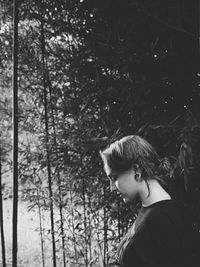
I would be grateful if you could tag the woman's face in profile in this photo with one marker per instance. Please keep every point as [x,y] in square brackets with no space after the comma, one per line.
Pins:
[125,183]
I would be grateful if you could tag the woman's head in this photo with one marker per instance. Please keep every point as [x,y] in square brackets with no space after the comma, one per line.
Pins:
[131,152]
[133,155]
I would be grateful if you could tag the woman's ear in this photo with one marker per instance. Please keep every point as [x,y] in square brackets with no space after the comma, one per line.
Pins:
[138,175]
[137,172]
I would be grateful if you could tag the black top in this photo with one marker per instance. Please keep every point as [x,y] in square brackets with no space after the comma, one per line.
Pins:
[162,236]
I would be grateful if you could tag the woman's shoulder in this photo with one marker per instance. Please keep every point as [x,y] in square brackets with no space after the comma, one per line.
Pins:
[172,208]
[162,212]
[163,206]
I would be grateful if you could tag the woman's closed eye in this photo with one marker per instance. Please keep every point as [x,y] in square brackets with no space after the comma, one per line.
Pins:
[113,177]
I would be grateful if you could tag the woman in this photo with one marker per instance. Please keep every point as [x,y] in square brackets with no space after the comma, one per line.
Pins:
[162,234]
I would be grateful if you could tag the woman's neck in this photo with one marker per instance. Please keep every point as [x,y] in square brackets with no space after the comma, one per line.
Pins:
[155,193]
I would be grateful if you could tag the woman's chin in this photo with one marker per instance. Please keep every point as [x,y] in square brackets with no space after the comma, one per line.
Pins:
[131,199]
[126,199]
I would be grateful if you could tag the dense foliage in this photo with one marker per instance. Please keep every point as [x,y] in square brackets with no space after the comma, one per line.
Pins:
[101,70]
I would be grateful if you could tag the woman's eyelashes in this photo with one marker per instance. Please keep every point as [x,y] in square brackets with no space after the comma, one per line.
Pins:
[112,177]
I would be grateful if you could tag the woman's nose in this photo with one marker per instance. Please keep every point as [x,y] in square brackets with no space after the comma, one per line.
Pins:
[112,186]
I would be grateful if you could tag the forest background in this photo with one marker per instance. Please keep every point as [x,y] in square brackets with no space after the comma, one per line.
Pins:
[90,72]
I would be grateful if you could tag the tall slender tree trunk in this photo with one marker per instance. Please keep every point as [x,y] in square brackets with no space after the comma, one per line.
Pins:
[73,226]
[105,233]
[1,215]
[96,218]
[47,136]
[85,221]
[15,135]
[90,229]
[41,227]
[198,15]
[118,221]
[58,175]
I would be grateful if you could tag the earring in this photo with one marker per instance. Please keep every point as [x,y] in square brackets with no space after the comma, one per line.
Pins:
[137,177]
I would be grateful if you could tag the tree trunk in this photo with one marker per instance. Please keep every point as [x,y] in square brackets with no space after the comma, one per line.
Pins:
[73,226]
[105,232]
[41,228]
[57,175]
[85,221]
[118,221]
[1,216]
[47,136]
[198,15]
[90,229]
[98,229]
[15,135]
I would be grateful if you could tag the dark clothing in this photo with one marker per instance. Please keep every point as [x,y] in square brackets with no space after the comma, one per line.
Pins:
[162,236]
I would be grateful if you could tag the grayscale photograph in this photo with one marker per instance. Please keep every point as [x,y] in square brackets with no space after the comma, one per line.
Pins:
[99,133]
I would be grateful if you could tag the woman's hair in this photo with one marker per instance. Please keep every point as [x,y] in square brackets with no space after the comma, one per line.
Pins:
[132,152]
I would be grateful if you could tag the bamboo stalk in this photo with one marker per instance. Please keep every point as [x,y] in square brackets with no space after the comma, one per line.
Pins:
[47,137]
[58,175]
[1,214]
[15,135]
[41,228]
